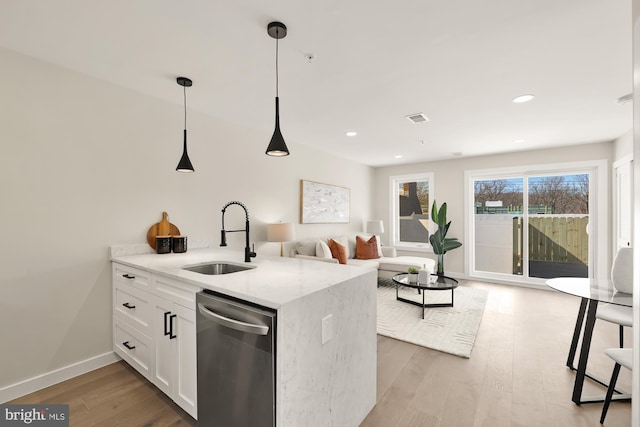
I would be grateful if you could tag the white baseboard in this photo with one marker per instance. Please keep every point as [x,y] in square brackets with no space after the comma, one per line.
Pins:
[39,382]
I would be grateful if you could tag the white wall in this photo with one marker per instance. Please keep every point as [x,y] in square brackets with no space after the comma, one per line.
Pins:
[449,185]
[86,164]
[623,146]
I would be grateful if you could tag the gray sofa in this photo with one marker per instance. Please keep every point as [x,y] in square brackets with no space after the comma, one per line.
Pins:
[388,264]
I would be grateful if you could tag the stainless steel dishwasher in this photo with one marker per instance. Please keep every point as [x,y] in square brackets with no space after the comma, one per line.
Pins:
[236,362]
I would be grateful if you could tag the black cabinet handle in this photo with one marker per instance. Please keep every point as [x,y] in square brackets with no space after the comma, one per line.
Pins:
[171,334]
[126,344]
[129,306]
[128,276]
[166,323]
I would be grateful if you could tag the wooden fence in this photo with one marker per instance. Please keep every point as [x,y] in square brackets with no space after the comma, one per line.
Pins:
[552,238]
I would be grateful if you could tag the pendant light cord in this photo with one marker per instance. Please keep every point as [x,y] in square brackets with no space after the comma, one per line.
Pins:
[184,89]
[277,38]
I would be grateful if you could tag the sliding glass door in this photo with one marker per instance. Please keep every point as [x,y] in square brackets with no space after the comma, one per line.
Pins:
[530,226]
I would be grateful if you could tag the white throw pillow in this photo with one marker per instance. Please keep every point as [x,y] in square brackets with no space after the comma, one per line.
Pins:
[322,250]
[306,247]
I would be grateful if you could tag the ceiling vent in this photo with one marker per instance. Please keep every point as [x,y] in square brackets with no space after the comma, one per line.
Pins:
[417,118]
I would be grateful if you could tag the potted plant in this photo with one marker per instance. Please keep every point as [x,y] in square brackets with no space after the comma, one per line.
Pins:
[440,243]
[413,275]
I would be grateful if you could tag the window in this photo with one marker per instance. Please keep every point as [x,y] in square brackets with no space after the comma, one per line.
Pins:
[411,198]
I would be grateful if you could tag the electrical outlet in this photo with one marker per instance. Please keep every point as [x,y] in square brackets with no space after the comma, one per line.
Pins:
[327,328]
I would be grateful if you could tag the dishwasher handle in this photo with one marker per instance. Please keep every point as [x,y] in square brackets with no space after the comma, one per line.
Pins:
[232,323]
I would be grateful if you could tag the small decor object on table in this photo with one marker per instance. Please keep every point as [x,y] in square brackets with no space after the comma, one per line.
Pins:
[413,275]
[425,275]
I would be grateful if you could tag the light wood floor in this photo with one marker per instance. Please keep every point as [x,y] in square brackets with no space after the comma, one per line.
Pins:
[515,377]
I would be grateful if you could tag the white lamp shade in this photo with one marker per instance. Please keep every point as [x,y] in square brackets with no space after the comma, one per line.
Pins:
[282,232]
[375,227]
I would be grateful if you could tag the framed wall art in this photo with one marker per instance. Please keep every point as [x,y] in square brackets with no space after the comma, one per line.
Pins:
[323,203]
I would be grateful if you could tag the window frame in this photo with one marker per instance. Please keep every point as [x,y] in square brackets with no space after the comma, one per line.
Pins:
[394,229]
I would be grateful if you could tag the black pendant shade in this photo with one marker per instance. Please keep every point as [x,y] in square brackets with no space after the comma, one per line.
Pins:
[277,146]
[185,164]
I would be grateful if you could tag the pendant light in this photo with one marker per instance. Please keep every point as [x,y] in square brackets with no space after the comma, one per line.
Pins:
[277,146]
[185,164]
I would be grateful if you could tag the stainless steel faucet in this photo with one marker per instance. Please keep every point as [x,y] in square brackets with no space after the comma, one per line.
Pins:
[248,253]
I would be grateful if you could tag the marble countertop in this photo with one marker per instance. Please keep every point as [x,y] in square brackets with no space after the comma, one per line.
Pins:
[273,282]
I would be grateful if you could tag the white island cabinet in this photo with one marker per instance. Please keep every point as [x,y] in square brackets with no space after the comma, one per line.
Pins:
[175,342]
[154,330]
[325,338]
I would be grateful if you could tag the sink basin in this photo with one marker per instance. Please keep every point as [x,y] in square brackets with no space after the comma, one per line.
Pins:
[217,267]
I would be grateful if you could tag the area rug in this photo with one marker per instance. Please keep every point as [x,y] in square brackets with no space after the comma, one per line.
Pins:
[448,329]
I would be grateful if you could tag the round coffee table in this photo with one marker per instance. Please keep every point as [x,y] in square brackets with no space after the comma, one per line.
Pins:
[442,283]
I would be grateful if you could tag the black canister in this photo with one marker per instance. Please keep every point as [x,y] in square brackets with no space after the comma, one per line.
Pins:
[163,244]
[179,244]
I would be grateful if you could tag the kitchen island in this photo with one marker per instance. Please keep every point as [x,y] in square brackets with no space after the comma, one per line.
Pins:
[325,370]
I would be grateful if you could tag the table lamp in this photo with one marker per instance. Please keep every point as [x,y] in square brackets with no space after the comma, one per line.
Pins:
[375,227]
[282,232]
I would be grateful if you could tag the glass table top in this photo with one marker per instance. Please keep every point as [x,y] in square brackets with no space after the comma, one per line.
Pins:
[594,289]
[442,282]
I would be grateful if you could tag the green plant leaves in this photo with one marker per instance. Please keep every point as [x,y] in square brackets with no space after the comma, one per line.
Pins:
[439,242]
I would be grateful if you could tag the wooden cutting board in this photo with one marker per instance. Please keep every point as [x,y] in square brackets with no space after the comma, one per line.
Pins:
[162,228]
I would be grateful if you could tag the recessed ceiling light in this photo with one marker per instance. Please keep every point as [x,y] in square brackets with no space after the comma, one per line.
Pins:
[398,156]
[352,133]
[523,98]
[518,141]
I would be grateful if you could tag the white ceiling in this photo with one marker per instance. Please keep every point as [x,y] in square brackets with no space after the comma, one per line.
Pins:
[458,61]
